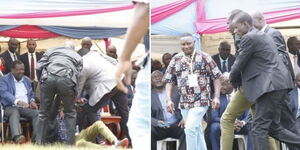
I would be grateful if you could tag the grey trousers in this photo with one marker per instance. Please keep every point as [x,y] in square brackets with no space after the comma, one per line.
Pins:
[64,90]
[266,122]
[14,114]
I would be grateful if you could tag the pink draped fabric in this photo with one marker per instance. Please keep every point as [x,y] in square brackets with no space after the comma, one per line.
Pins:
[162,12]
[210,26]
[28,31]
[64,13]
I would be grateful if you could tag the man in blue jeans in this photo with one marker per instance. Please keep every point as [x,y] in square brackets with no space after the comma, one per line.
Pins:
[194,71]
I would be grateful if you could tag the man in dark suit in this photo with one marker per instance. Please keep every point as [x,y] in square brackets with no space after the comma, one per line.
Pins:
[163,123]
[30,59]
[18,100]
[263,69]
[10,55]
[224,59]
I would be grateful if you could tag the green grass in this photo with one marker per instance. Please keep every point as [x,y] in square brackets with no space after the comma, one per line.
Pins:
[51,147]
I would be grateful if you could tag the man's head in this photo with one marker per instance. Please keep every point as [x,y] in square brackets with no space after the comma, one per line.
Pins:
[232,14]
[112,51]
[166,58]
[258,20]
[13,44]
[18,69]
[298,80]
[156,80]
[242,23]
[293,45]
[187,43]
[155,65]
[226,86]
[224,49]
[31,45]
[86,43]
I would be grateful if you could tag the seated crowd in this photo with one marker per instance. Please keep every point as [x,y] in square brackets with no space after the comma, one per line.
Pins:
[41,88]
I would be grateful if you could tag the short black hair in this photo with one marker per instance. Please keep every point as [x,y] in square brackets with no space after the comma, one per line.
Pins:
[291,40]
[15,63]
[244,17]
[233,13]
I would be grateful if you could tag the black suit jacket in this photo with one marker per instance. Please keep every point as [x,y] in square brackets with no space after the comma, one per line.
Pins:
[231,59]
[262,69]
[8,61]
[281,47]
[157,110]
[24,59]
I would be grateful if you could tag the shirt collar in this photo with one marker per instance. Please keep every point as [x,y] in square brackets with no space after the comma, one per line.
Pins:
[221,59]
[264,28]
[16,80]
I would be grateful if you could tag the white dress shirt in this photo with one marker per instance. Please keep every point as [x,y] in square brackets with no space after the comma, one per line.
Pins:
[21,92]
[12,55]
[226,63]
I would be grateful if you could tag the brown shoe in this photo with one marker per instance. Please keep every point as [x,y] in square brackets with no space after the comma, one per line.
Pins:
[123,143]
[19,139]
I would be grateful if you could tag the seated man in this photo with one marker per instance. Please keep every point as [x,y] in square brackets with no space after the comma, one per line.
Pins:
[17,99]
[163,123]
[86,136]
[240,123]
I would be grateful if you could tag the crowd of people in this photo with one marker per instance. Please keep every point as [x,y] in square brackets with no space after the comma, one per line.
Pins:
[250,93]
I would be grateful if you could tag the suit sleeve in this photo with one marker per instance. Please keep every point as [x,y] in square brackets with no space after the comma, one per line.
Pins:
[7,99]
[279,40]
[81,81]
[245,53]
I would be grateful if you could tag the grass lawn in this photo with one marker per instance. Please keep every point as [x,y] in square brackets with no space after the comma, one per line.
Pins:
[50,147]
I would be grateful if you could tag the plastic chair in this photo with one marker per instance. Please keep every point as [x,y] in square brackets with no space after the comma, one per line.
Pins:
[242,141]
[162,144]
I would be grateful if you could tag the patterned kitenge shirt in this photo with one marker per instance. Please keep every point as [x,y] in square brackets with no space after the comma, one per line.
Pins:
[205,69]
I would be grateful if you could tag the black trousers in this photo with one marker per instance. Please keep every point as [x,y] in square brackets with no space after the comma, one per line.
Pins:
[174,131]
[64,90]
[266,122]
[120,100]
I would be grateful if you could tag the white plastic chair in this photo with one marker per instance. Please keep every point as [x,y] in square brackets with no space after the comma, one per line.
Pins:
[242,141]
[162,144]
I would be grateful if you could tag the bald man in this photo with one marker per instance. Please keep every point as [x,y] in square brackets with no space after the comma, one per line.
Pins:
[86,44]
[112,51]
[10,55]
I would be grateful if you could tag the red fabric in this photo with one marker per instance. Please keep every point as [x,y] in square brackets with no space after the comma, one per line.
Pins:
[28,31]
[107,42]
[64,13]
[162,12]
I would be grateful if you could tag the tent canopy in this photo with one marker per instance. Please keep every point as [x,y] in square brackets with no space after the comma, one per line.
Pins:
[209,16]
[72,18]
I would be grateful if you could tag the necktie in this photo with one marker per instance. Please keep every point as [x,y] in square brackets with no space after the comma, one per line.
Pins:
[15,57]
[32,73]
[224,69]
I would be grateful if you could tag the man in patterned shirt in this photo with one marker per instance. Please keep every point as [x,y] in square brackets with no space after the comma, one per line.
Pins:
[193,71]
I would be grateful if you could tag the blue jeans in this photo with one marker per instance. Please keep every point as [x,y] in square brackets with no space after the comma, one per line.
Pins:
[139,115]
[193,127]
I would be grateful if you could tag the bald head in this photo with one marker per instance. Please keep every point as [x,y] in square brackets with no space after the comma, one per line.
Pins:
[258,20]
[156,79]
[13,44]
[112,51]
[86,43]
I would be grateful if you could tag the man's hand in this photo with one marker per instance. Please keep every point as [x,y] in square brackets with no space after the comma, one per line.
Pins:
[80,101]
[23,104]
[124,67]
[225,76]
[170,107]
[238,125]
[215,103]
[33,105]
[162,124]
[181,123]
